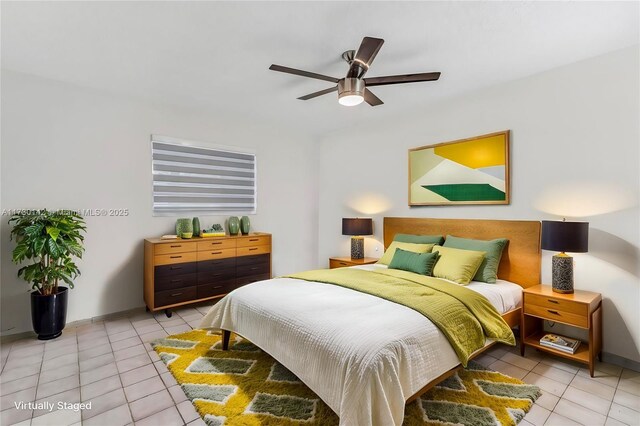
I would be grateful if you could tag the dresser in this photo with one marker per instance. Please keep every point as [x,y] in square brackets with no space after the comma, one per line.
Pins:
[180,272]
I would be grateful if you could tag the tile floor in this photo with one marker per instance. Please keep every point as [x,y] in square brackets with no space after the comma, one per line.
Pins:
[111,364]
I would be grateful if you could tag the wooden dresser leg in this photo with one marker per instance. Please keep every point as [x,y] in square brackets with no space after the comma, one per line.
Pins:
[226,335]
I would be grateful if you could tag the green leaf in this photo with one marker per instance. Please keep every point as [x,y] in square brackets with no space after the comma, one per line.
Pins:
[53,232]
[20,252]
[53,249]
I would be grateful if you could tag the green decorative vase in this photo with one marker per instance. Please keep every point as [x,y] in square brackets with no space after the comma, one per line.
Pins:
[196,226]
[245,225]
[234,225]
[184,226]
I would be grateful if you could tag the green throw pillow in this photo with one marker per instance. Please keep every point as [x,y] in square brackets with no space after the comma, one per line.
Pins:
[457,265]
[488,270]
[391,250]
[419,239]
[420,263]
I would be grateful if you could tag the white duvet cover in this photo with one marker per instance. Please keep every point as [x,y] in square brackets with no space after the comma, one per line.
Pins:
[363,355]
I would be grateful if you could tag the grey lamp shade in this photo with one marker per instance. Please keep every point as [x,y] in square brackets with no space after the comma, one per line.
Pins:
[565,236]
[357,226]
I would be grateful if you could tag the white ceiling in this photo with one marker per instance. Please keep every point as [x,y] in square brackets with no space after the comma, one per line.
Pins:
[214,56]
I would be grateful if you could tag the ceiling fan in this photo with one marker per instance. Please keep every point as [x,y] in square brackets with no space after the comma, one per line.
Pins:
[352,89]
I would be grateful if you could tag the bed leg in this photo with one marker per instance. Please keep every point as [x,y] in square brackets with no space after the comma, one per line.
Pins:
[226,335]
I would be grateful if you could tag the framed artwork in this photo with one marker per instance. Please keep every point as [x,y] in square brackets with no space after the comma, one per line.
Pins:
[467,171]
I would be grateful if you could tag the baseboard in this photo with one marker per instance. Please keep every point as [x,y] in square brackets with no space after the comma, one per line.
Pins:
[30,334]
[621,361]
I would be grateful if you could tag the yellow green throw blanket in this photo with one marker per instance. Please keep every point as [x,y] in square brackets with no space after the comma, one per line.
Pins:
[464,316]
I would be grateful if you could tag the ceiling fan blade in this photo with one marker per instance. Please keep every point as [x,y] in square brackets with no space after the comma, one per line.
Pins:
[399,79]
[319,93]
[301,73]
[371,99]
[364,56]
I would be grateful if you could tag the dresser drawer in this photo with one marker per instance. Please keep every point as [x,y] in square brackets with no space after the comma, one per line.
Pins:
[177,247]
[333,264]
[554,314]
[172,282]
[216,243]
[170,297]
[556,304]
[168,259]
[174,269]
[255,269]
[250,251]
[262,240]
[252,278]
[216,289]
[216,264]
[252,260]
[216,254]
[216,275]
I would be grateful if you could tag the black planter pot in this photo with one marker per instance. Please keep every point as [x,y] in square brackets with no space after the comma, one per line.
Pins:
[49,313]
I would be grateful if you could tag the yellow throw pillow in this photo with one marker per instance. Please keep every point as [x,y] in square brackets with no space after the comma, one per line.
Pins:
[457,265]
[391,250]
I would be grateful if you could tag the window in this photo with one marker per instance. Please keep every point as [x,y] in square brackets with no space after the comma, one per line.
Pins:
[192,178]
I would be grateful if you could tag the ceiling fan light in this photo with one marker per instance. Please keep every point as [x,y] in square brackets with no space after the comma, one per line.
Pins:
[350,91]
[350,100]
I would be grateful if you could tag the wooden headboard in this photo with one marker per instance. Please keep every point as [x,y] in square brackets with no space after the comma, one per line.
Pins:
[520,261]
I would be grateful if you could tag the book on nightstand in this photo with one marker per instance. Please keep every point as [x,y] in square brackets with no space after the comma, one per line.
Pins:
[560,343]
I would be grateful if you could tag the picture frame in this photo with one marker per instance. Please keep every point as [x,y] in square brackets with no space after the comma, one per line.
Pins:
[467,171]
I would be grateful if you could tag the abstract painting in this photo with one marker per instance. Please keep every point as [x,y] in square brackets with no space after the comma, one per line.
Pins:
[467,171]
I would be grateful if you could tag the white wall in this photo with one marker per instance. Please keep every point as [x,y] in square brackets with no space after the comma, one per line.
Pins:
[574,153]
[64,146]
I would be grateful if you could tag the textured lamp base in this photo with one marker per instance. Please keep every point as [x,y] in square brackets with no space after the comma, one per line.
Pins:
[562,273]
[357,247]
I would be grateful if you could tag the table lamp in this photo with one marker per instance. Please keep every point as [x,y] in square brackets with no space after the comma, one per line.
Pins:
[357,227]
[564,236]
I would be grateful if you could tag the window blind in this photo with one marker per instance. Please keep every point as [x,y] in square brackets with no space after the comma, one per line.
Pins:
[197,179]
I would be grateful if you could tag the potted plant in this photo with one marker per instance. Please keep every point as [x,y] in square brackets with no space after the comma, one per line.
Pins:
[48,241]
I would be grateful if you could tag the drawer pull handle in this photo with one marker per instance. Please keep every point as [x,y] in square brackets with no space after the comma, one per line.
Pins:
[553,301]
[176,281]
[175,294]
[553,312]
[253,248]
[254,268]
[343,264]
[216,252]
[218,286]
[176,246]
[175,267]
[253,239]
[175,257]
[216,243]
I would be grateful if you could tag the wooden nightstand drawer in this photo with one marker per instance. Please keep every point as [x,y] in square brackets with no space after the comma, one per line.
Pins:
[556,304]
[552,314]
[338,264]
[262,240]
[177,247]
[215,244]
[168,259]
[216,254]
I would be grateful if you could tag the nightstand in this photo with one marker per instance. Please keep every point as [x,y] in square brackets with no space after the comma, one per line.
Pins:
[341,262]
[582,309]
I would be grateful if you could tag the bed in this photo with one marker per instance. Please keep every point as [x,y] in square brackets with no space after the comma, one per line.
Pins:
[366,357]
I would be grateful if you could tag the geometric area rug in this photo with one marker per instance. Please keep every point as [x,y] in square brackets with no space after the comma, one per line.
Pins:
[246,386]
